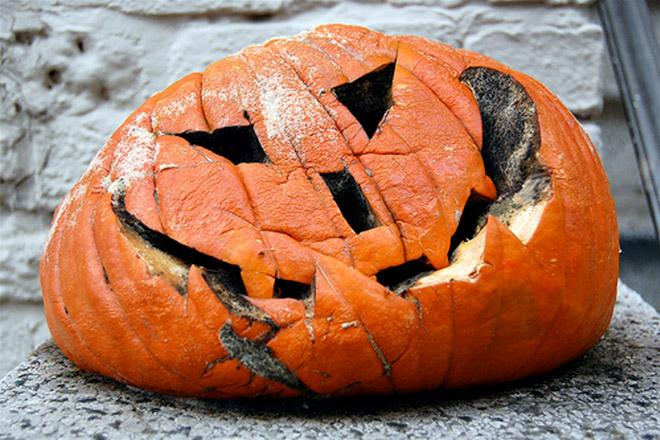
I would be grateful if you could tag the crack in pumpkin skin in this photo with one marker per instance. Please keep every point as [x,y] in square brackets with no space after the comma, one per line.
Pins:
[350,334]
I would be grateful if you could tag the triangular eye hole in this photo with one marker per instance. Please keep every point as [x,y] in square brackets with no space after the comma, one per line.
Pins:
[369,97]
[239,144]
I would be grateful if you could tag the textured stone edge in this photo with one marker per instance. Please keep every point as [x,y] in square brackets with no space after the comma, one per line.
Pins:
[611,392]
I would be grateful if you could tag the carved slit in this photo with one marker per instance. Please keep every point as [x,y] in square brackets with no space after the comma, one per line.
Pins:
[351,201]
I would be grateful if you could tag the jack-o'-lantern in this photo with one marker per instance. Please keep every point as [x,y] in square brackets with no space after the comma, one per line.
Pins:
[337,213]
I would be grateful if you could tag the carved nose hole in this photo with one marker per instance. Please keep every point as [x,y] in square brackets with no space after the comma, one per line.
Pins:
[351,201]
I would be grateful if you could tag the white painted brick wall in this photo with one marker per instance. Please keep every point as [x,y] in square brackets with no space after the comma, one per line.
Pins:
[72,70]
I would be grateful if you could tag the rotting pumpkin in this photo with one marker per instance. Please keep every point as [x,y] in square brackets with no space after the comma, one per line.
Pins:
[337,213]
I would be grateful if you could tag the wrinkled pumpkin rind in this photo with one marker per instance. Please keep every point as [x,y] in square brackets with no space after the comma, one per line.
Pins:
[525,309]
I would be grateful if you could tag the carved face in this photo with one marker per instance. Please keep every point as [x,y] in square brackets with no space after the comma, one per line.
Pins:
[337,213]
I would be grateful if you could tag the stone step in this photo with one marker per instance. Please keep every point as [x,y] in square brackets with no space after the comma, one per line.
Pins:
[611,392]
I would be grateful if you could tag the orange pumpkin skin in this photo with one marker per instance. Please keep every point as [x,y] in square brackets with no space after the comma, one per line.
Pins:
[195,259]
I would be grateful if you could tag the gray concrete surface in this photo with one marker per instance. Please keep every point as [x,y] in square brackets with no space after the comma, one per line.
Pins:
[613,392]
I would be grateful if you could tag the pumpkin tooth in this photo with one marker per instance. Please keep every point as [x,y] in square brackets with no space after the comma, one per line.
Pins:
[369,97]
[236,304]
[471,220]
[467,260]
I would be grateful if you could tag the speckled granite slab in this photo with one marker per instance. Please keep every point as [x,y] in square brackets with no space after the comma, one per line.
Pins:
[611,392]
